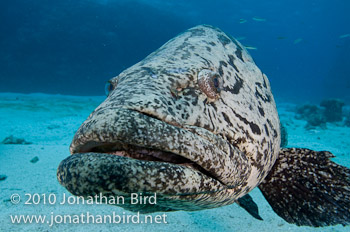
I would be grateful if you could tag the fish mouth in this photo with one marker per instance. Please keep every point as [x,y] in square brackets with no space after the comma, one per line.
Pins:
[145,154]
[121,151]
[125,139]
[141,136]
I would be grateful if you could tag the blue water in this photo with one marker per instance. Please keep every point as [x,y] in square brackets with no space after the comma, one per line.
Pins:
[73,47]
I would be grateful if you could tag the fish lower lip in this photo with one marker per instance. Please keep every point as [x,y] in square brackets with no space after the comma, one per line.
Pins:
[87,174]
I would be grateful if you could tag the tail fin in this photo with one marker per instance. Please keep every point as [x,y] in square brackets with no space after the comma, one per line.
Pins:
[305,187]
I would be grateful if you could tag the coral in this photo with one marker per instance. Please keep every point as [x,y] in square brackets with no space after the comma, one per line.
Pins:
[305,110]
[346,114]
[330,110]
[333,110]
[347,121]
[34,160]
[13,140]
[312,114]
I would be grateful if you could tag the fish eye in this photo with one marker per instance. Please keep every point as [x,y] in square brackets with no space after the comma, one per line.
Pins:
[109,87]
[209,82]
[216,82]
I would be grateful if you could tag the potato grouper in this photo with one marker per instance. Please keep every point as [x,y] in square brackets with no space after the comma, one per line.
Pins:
[196,123]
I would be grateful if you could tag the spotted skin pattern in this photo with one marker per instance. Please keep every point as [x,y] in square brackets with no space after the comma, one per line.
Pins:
[158,104]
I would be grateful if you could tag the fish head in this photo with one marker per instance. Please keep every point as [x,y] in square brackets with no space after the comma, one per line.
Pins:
[194,123]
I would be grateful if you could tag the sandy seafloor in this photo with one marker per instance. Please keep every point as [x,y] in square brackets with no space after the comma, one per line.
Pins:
[50,121]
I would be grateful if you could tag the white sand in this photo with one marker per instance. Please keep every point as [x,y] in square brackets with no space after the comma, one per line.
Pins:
[50,121]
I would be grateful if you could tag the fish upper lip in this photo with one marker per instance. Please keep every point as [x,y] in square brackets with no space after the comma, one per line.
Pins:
[133,128]
[145,154]
[119,146]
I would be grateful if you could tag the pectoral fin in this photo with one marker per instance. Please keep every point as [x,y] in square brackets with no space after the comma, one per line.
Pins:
[247,203]
[305,187]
